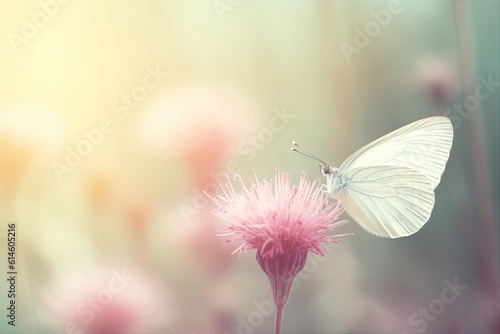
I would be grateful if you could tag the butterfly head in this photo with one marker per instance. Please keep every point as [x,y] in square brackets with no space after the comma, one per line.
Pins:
[328,170]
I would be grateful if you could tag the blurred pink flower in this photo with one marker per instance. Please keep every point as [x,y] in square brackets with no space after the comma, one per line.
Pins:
[198,124]
[438,78]
[282,223]
[204,245]
[106,301]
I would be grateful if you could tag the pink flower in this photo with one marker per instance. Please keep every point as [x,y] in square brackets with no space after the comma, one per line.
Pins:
[282,223]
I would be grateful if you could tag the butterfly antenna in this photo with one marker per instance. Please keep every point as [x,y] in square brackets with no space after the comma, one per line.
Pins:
[306,153]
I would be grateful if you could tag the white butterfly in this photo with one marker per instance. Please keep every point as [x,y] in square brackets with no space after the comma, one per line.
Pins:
[388,185]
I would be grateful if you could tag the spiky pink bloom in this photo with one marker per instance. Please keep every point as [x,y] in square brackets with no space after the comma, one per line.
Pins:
[283,223]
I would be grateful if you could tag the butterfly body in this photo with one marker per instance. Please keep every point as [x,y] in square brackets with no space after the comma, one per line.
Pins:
[334,181]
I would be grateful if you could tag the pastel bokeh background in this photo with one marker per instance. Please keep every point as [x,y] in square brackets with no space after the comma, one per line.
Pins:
[116,115]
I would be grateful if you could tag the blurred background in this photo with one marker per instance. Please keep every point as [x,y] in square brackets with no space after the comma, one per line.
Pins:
[116,115]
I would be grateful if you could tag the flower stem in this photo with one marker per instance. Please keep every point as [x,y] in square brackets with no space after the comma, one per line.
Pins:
[279,316]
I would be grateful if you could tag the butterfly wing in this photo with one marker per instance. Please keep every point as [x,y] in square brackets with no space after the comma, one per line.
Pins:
[387,201]
[423,145]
